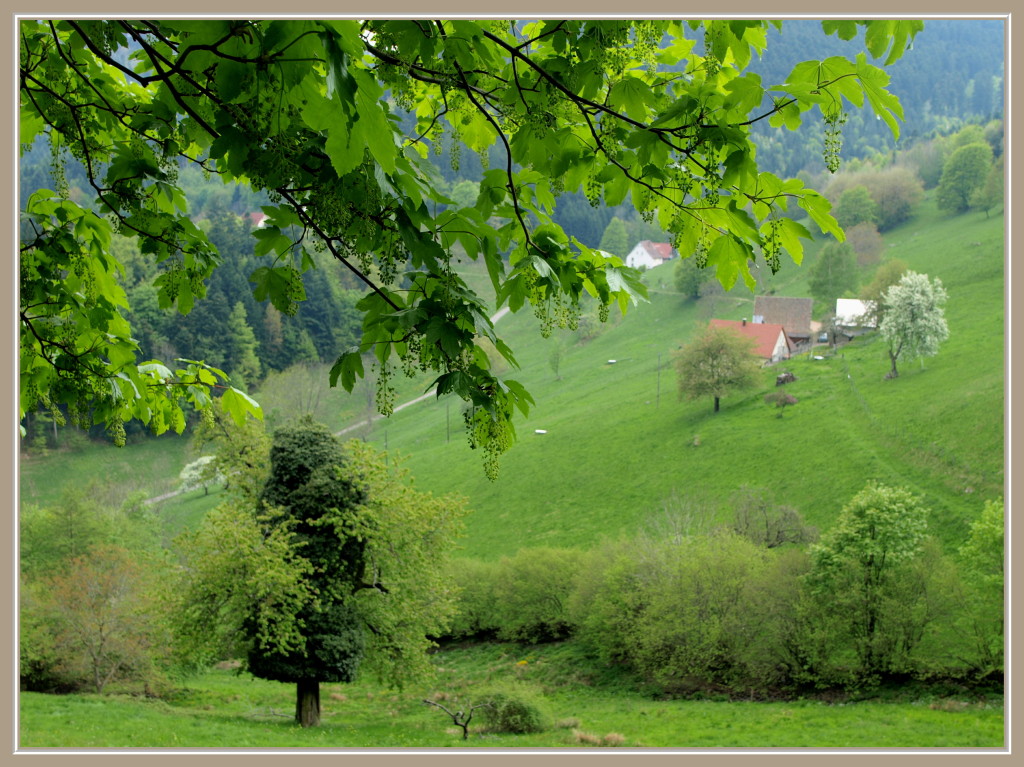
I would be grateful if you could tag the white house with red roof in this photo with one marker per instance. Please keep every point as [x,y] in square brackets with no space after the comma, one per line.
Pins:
[649,254]
[256,219]
[772,343]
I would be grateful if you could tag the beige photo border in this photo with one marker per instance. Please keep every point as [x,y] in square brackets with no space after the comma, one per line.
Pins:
[447,8]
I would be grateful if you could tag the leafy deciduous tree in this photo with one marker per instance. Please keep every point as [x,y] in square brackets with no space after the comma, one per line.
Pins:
[781,400]
[983,555]
[886,275]
[198,473]
[347,562]
[241,451]
[614,240]
[768,524]
[898,191]
[857,567]
[963,172]
[297,108]
[834,273]
[895,191]
[925,158]
[320,505]
[695,608]
[531,594]
[105,622]
[465,193]
[717,363]
[855,206]
[990,194]
[236,570]
[688,277]
[866,243]
[52,535]
[969,134]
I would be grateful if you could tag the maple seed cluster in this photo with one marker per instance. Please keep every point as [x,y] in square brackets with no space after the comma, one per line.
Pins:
[834,121]
[493,432]
[771,244]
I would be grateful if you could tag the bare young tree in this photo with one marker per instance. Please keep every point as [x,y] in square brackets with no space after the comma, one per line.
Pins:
[460,718]
[759,519]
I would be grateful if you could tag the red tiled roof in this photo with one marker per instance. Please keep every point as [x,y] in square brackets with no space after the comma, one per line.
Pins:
[765,334]
[256,218]
[662,250]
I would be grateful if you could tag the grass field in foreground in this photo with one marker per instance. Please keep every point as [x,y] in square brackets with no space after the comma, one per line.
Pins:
[223,710]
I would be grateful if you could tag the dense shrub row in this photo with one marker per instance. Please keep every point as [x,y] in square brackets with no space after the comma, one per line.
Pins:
[875,598]
[756,606]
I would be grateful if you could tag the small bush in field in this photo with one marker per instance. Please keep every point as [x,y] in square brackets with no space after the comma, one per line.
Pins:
[780,399]
[586,738]
[512,712]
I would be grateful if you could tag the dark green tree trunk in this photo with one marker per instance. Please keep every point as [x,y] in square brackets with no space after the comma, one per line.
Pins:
[716,404]
[892,356]
[307,703]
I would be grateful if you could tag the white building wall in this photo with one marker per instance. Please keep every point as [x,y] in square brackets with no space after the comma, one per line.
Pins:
[849,312]
[639,256]
[781,350]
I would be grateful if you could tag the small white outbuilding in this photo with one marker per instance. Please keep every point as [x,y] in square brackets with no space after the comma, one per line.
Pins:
[854,313]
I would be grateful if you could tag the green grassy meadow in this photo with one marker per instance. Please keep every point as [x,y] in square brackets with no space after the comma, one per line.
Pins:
[151,466]
[620,451]
[225,710]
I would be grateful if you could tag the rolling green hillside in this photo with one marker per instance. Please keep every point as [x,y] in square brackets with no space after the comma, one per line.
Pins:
[620,450]
[620,447]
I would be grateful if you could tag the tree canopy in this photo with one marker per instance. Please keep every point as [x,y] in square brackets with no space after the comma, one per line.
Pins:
[963,173]
[857,565]
[834,274]
[336,564]
[335,120]
[717,363]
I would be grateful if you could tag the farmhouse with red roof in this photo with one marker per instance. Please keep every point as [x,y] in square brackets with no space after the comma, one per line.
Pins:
[772,343]
[794,314]
[649,254]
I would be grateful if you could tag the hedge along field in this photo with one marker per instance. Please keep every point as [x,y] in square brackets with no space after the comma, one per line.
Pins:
[224,710]
[619,447]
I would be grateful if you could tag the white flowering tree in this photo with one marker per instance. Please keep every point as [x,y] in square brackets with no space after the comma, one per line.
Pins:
[914,324]
[200,473]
